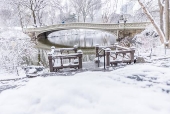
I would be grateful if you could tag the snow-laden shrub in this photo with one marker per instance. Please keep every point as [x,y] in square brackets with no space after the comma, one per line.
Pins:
[16,50]
[146,41]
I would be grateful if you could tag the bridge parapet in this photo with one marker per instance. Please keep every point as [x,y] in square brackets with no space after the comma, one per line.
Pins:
[88,26]
[113,28]
[137,24]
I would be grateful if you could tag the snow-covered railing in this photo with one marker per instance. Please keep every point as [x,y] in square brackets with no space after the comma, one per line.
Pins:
[64,50]
[119,54]
[74,60]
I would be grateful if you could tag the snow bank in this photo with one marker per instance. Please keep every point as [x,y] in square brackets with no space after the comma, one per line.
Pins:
[90,93]
[145,75]
[13,35]
[5,75]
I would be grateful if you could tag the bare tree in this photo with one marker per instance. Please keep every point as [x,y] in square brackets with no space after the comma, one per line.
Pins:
[85,8]
[20,16]
[109,8]
[34,6]
[18,12]
[77,8]
[158,29]
[57,4]
[40,16]
[63,9]
[161,7]
[93,11]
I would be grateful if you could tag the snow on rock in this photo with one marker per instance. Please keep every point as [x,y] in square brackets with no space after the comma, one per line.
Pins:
[32,71]
[92,93]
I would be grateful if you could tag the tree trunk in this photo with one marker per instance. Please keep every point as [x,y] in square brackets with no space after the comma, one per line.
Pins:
[161,7]
[40,18]
[160,32]
[84,19]
[39,57]
[20,16]
[34,17]
[167,20]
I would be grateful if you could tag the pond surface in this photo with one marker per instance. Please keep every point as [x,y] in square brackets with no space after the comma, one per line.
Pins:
[80,37]
[85,39]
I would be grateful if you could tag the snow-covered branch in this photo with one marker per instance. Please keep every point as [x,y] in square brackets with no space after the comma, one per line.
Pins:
[158,29]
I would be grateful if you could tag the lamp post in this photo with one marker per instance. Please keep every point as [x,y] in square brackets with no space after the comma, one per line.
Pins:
[122,21]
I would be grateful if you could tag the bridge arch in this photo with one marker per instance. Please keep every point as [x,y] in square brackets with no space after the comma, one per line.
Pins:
[119,30]
[45,34]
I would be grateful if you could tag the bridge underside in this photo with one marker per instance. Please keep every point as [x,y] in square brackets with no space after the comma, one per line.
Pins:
[118,33]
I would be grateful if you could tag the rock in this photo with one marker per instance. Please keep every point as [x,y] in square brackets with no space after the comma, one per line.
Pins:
[140,60]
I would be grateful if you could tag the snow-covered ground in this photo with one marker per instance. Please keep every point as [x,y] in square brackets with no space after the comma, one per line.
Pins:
[141,88]
[134,89]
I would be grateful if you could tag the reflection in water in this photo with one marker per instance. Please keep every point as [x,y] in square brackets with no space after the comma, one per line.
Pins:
[82,38]
[42,58]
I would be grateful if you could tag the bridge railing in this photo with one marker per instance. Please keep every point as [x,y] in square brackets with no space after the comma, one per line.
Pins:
[64,50]
[63,60]
[137,24]
[118,54]
[86,26]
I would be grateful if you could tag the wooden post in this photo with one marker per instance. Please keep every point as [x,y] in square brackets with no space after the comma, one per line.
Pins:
[52,49]
[116,44]
[61,61]
[75,48]
[104,59]
[132,54]
[80,55]
[107,50]
[97,50]
[50,62]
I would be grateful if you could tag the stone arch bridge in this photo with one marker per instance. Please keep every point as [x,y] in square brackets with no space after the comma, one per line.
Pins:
[120,30]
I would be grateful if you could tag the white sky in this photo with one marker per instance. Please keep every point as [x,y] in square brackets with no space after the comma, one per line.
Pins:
[120,3]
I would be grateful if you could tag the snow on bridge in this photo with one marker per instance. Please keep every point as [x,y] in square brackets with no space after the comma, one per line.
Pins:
[119,29]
